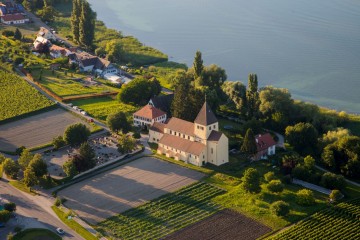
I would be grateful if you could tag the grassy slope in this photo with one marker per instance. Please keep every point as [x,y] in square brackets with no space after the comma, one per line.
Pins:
[36,233]
[21,186]
[100,108]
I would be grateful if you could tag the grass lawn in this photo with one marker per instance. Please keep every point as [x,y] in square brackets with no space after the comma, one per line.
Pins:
[67,85]
[28,29]
[100,108]
[21,186]
[73,224]
[167,214]
[36,234]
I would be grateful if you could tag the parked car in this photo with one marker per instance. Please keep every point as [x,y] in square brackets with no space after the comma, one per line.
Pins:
[83,113]
[60,231]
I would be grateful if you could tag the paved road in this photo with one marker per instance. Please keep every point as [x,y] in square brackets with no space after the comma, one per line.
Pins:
[32,211]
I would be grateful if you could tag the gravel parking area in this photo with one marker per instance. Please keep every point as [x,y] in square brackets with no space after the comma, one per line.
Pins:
[35,130]
[126,187]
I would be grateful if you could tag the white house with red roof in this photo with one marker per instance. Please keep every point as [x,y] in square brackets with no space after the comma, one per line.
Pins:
[265,145]
[197,142]
[148,115]
[16,18]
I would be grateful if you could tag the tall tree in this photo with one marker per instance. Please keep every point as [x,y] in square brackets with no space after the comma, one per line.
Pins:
[198,64]
[252,96]
[86,25]
[38,165]
[76,134]
[17,34]
[75,19]
[236,93]
[249,144]
[25,158]
[303,137]
[30,178]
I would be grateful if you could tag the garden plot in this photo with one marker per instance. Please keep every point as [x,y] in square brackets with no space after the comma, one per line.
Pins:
[36,130]
[128,186]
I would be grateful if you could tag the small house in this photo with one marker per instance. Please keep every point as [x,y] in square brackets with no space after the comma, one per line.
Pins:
[265,145]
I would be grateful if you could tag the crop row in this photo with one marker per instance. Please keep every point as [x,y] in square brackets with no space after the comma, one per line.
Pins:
[164,215]
[17,97]
[339,222]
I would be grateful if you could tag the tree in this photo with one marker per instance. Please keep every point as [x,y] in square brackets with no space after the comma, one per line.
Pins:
[118,122]
[85,160]
[87,152]
[75,19]
[270,176]
[126,143]
[11,168]
[11,207]
[252,96]
[30,178]
[38,166]
[17,34]
[249,144]
[198,64]
[236,94]
[303,137]
[70,168]
[47,13]
[301,172]
[309,162]
[289,162]
[335,195]
[251,180]
[76,134]
[280,208]
[305,197]
[114,51]
[5,216]
[58,142]
[275,186]
[25,158]
[333,181]
[86,25]
[213,77]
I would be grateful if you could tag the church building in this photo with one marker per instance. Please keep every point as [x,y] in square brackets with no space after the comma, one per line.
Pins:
[197,142]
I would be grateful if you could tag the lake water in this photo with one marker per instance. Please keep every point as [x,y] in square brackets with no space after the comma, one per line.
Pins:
[310,47]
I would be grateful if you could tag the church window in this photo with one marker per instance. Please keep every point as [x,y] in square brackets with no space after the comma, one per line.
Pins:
[212,150]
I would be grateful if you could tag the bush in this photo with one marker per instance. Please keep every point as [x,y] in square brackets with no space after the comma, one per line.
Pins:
[333,181]
[11,207]
[305,197]
[8,33]
[280,208]
[251,180]
[301,172]
[335,195]
[58,142]
[137,135]
[76,134]
[270,176]
[4,216]
[275,186]
[57,201]
[11,168]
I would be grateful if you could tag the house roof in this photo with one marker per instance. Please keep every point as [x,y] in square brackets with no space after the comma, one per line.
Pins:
[13,17]
[163,102]
[158,127]
[205,116]
[149,112]
[264,141]
[214,136]
[182,126]
[182,144]
[62,50]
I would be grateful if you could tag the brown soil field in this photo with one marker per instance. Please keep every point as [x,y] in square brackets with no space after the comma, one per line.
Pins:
[223,225]
[35,130]
[128,186]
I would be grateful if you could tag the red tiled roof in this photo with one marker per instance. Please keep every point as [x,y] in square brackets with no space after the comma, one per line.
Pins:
[149,112]
[264,141]
[182,144]
[158,127]
[182,126]
[13,17]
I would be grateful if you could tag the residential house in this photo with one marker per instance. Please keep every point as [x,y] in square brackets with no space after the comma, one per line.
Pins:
[91,63]
[16,18]
[46,33]
[147,115]
[162,102]
[197,142]
[57,51]
[265,145]
[40,43]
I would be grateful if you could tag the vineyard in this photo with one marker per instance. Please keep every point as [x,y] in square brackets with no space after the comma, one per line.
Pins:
[18,97]
[164,215]
[339,222]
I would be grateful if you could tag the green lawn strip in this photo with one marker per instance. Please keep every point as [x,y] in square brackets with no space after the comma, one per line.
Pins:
[36,233]
[165,214]
[73,224]
[21,186]
[335,222]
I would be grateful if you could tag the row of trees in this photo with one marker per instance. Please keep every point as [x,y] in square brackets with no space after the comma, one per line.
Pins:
[83,23]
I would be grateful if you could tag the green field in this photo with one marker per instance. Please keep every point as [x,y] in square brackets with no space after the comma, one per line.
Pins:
[100,108]
[164,215]
[36,234]
[67,85]
[18,97]
[338,222]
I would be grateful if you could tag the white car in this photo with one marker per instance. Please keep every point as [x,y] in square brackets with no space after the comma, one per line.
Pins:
[60,231]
